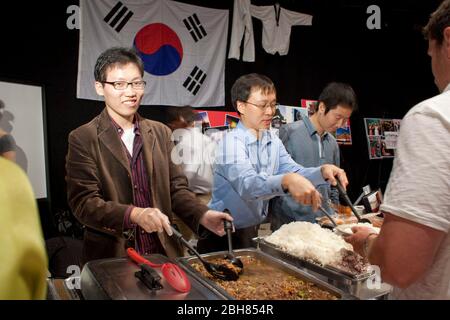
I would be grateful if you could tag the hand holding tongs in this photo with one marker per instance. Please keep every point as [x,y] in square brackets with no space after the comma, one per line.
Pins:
[220,271]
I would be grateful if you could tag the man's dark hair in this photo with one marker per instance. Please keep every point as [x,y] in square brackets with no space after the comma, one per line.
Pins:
[181,117]
[439,20]
[337,93]
[116,56]
[244,85]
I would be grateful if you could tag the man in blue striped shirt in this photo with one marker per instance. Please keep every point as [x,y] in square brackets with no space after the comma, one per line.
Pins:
[252,166]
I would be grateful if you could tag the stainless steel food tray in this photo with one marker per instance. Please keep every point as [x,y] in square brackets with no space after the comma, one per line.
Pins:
[356,285]
[186,262]
[327,271]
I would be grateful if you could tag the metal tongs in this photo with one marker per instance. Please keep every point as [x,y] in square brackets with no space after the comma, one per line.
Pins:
[328,215]
[219,271]
[228,226]
[349,203]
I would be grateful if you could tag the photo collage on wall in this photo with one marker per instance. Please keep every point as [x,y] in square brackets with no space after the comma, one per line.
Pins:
[289,114]
[216,123]
[381,137]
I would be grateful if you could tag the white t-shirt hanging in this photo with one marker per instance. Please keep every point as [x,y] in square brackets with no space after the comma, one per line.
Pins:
[128,139]
[277,23]
[242,27]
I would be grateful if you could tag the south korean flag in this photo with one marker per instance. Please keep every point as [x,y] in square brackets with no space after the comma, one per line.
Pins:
[183,48]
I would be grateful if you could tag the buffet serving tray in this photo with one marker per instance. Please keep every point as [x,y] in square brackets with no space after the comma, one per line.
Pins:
[329,272]
[186,263]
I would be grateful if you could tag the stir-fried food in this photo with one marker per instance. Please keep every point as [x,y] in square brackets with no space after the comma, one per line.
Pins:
[353,263]
[261,281]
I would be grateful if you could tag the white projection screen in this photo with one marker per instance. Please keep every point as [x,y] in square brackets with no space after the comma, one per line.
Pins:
[22,114]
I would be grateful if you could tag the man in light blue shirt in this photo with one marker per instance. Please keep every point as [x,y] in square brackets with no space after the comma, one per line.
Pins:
[311,144]
[252,166]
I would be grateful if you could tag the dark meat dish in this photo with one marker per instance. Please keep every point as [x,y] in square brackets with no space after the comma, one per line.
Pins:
[261,281]
[353,263]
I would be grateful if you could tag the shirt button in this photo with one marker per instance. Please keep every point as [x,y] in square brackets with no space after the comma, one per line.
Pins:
[135,186]
[143,231]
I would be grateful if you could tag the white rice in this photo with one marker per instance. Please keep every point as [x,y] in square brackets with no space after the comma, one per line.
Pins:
[309,241]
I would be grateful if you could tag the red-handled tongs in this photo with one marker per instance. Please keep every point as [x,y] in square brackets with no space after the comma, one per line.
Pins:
[174,275]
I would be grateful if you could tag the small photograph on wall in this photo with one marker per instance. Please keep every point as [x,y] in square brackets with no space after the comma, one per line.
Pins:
[300,113]
[390,139]
[285,115]
[375,147]
[382,134]
[387,125]
[373,126]
[309,105]
[396,123]
[278,119]
[385,151]
[231,121]
[344,134]
[202,120]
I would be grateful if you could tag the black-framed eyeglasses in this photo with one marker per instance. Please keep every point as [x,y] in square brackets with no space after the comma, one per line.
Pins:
[122,85]
[272,105]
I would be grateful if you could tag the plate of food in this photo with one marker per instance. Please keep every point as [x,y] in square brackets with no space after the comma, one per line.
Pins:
[346,229]
[346,220]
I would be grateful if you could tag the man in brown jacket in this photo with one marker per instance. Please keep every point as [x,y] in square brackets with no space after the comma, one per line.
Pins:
[121,182]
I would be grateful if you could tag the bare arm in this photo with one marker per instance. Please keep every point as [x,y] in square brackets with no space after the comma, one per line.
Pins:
[404,250]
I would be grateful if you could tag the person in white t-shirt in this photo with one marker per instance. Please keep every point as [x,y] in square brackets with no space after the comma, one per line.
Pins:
[193,150]
[413,247]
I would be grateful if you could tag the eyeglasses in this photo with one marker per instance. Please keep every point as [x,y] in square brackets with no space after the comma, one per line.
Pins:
[122,85]
[272,105]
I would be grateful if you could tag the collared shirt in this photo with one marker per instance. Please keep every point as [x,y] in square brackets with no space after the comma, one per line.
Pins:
[309,149]
[423,148]
[248,172]
[146,243]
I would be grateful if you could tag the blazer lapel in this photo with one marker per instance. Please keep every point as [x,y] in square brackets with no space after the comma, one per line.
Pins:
[109,137]
[148,145]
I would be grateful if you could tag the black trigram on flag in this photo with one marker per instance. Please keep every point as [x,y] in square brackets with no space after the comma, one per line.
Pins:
[194,27]
[118,17]
[195,80]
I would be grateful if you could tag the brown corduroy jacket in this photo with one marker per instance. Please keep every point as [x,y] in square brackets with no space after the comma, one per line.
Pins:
[99,186]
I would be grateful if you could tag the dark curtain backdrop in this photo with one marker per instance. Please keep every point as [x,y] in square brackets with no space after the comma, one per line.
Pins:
[388,68]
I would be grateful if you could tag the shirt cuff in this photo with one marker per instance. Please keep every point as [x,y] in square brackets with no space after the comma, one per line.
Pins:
[127,224]
[274,185]
[315,176]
